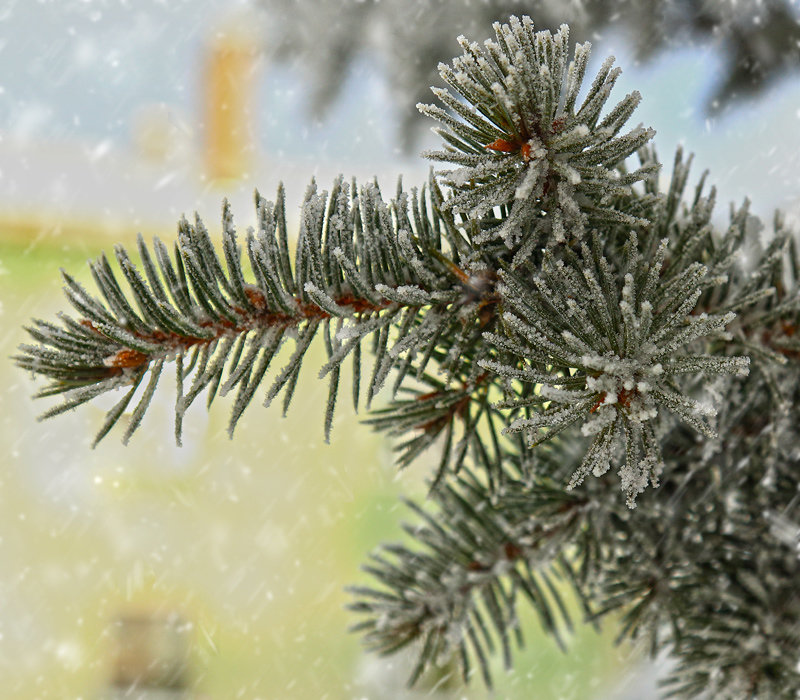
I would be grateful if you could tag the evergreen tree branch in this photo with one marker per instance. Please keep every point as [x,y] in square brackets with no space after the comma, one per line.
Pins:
[623,343]
[708,570]
[550,315]
[455,590]
[362,269]
[523,142]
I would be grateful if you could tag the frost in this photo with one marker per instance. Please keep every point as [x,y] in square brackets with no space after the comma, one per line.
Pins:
[569,156]
[525,188]
[569,318]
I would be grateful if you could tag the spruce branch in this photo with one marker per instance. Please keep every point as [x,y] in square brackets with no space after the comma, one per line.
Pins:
[709,569]
[363,268]
[548,295]
[521,140]
[614,348]
[455,590]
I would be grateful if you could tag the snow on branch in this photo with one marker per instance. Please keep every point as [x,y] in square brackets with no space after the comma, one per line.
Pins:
[613,351]
[224,326]
[514,127]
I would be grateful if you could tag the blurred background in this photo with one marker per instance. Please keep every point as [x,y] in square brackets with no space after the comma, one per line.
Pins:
[216,570]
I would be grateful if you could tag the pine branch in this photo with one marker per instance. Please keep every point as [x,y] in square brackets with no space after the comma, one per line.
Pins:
[455,590]
[551,315]
[709,569]
[521,140]
[622,342]
[362,269]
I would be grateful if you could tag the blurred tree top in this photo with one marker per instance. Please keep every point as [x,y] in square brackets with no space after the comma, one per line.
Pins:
[759,39]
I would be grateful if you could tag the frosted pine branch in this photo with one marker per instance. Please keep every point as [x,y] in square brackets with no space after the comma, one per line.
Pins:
[216,321]
[522,140]
[623,339]
[456,586]
[541,313]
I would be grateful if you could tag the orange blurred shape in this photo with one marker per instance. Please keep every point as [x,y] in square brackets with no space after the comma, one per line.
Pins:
[230,71]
